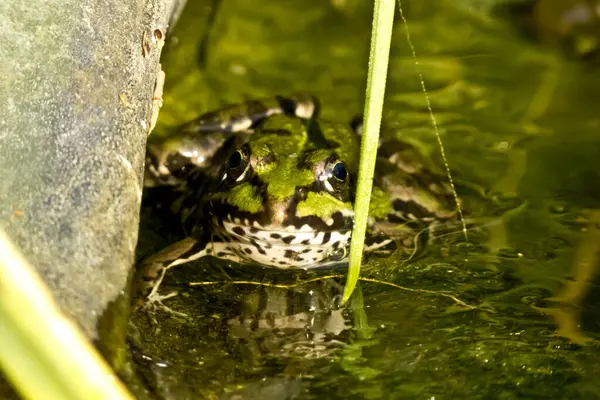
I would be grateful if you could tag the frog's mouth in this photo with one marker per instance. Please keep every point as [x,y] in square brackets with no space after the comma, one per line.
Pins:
[282,247]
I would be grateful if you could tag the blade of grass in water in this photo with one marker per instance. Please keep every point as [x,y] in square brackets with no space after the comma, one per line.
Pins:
[381,37]
[43,354]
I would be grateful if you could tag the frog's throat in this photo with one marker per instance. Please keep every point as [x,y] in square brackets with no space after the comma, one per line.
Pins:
[280,247]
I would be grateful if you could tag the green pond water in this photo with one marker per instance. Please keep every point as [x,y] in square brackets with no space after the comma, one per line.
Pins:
[510,313]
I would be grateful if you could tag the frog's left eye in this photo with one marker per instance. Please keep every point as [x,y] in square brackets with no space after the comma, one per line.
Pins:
[339,171]
[336,176]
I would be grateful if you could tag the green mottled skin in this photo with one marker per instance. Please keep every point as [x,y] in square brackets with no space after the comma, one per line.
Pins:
[381,203]
[245,197]
[283,140]
[321,205]
[283,179]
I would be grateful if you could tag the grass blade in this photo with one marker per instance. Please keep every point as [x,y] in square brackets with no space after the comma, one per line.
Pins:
[381,38]
[43,353]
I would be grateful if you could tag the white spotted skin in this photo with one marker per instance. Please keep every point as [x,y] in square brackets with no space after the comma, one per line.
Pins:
[284,248]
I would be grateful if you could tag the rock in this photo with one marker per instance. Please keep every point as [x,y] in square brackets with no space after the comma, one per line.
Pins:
[77,91]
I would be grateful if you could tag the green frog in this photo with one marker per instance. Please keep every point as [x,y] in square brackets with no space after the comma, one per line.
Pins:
[267,182]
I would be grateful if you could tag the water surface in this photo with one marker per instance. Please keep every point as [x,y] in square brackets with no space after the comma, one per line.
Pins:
[520,123]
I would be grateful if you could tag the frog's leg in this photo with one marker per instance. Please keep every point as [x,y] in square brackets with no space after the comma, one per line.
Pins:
[244,116]
[151,271]
[202,144]
[379,243]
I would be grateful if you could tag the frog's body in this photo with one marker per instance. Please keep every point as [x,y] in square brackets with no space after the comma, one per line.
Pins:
[267,183]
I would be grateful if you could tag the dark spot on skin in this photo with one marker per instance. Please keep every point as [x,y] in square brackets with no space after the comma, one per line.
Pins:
[299,259]
[288,239]
[239,231]
[208,251]
[305,251]
[248,250]
[282,263]
[221,254]
[335,245]
[333,144]
[303,162]
[326,237]
[306,242]
[319,250]
[253,230]
[260,249]
[288,106]
[233,238]
[275,235]
[289,254]
[300,194]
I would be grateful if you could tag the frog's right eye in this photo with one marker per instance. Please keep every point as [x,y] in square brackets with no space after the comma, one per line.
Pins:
[237,166]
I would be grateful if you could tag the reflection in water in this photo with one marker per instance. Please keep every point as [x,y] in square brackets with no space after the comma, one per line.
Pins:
[263,340]
[568,308]
[303,322]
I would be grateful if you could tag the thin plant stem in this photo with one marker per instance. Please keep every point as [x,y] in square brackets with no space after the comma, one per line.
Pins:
[434,123]
[381,38]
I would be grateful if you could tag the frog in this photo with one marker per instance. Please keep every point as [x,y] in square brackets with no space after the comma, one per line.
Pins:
[268,182]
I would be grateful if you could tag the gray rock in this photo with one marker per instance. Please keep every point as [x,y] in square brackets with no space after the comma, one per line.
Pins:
[77,81]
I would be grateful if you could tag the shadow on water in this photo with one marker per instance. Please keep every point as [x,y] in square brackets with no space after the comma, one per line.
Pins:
[518,119]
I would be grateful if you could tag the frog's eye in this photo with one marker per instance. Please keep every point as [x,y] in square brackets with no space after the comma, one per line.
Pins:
[340,172]
[237,166]
[235,160]
[337,176]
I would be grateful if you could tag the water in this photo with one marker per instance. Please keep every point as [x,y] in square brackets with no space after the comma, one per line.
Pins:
[520,126]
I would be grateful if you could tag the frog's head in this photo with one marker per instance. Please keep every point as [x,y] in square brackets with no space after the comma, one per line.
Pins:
[281,205]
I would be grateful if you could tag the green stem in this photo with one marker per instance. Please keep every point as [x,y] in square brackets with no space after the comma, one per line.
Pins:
[381,37]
